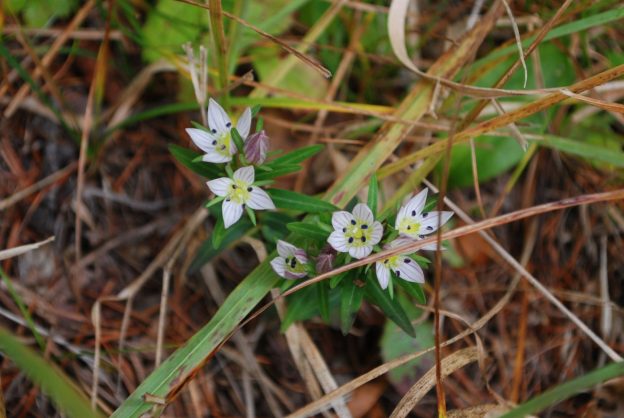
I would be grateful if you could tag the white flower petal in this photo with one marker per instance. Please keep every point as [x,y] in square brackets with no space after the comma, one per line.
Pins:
[245,174]
[218,120]
[416,204]
[231,213]
[362,213]
[377,233]
[213,156]
[293,276]
[285,249]
[301,256]
[279,266]
[383,274]
[341,219]
[244,123]
[338,241]
[220,186]
[433,247]
[201,138]
[360,252]
[400,216]
[409,270]
[259,199]
[429,221]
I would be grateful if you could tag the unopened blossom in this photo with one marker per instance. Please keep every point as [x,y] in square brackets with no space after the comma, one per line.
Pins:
[401,265]
[291,261]
[256,147]
[218,143]
[355,233]
[239,192]
[325,260]
[413,223]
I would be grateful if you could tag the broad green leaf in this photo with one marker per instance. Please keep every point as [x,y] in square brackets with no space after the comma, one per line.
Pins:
[65,394]
[566,390]
[169,25]
[274,225]
[186,157]
[351,297]
[297,156]
[391,307]
[494,154]
[308,230]
[285,199]
[373,194]
[589,149]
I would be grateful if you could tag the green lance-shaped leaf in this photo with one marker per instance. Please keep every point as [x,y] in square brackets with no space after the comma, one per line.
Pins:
[271,173]
[296,156]
[373,194]
[255,287]
[350,300]
[308,230]
[285,199]
[187,158]
[67,396]
[391,307]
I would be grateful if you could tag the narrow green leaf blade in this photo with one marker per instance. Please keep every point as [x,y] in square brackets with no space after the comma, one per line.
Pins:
[373,194]
[308,230]
[285,199]
[276,172]
[297,156]
[350,300]
[186,157]
[391,308]
[565,390]
[60,388]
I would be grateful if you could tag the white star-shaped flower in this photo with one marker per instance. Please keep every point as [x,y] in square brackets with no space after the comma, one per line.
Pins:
[355,233]
[239,192]
[291,261]
[401,265]
[218,143]
[413,223]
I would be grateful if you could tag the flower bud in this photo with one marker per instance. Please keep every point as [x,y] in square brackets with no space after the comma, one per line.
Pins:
[325,260]
[256,147]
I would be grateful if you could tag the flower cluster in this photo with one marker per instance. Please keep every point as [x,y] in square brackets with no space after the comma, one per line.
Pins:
[357,234]
[237,191]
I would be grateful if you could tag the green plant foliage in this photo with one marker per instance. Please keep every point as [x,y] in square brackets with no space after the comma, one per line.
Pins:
[285,199]
[39,13]
[308,230]
[351,296]
[390,308]
[188,158]
[168,26]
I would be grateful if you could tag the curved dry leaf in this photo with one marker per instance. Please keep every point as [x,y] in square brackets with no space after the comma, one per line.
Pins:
[396,32]
[610,107]
[455,361]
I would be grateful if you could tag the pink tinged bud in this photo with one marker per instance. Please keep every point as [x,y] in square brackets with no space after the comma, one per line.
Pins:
[325,260]
[256,147]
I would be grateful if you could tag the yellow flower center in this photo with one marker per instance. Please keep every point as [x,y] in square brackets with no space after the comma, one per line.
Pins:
[239,192]
[222,145]
[392,262]
[409,226]
[293,265]
[358,233]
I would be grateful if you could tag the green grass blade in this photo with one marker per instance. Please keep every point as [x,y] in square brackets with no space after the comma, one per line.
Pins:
[566,390]
[61,389]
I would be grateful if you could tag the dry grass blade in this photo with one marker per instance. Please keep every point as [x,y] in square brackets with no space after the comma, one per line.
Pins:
[303,57]
[611,107]
[14,252]
[455,361]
